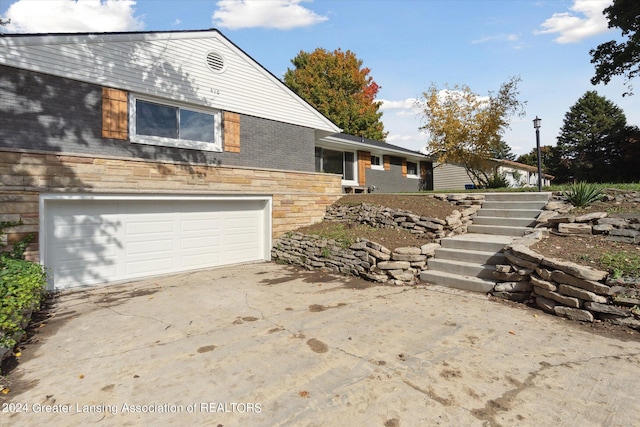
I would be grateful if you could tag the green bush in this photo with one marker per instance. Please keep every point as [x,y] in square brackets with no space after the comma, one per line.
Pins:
[498,180]
[582,194]
[22,289]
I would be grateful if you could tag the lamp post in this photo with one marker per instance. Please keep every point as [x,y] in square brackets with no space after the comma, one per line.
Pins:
[536,126]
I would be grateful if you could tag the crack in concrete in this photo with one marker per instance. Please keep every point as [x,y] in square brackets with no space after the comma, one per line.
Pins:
[502,403]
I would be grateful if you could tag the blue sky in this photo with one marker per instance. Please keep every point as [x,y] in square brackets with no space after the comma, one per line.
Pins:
[407,44]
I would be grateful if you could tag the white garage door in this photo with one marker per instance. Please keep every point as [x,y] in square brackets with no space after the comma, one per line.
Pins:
[100,241]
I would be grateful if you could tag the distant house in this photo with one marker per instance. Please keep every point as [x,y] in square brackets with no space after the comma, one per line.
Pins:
[134,154]
[520,174]
[451,176]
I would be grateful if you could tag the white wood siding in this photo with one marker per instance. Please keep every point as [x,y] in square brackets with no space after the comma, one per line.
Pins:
[168,65]
[447,176]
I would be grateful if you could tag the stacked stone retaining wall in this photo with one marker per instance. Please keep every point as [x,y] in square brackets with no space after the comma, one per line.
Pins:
[371,260]
[363,258]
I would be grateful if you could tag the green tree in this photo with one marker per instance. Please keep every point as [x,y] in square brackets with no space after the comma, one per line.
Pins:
[466,128]
[613,58]
[631,155]
[552,162]
[502,151]
[592,137]
[337,85]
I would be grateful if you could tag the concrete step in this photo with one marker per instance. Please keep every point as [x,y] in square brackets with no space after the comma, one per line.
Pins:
[504,221]
[499,230]
[484,271]
[476,257]
[477,242]
[466,283]
[535,205]
[520,196]
[509,213]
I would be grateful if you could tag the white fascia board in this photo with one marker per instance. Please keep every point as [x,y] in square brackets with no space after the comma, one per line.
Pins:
[332,141]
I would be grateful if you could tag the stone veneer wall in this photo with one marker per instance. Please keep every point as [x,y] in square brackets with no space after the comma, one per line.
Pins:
[299,198]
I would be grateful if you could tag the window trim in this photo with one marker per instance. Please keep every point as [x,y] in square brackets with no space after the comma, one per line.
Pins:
[170,142]
[379,166]
[410,175]
[353,182]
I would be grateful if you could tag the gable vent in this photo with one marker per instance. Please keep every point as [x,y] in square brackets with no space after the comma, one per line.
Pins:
[215,62]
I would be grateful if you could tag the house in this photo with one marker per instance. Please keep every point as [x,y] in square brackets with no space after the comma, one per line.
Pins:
[520,174]
[367,165]
[143,153]
[452,176]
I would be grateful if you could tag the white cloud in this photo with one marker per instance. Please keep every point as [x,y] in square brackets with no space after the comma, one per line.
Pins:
[69,16]
[178,21]
[497,38]
[585,20]
[405,104]
[278,14]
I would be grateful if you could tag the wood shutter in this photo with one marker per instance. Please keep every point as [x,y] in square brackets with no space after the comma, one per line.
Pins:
[231,126]
[404,167]
[364,163]
[386,160]
[115,114]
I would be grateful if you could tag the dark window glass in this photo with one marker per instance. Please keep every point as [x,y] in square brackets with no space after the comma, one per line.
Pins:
[412,168]
[332,161]
[349,160]
[156,120]
[196,126]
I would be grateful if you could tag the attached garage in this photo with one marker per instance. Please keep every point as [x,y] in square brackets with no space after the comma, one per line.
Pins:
[103,239]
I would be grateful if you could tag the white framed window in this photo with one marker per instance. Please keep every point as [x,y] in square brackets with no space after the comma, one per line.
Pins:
[412,170]
[338,162]
[159,122]
[376,162]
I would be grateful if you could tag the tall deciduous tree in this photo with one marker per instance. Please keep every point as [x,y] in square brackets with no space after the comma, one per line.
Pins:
[613,58]
[592,138]
[337,85]
[467,128]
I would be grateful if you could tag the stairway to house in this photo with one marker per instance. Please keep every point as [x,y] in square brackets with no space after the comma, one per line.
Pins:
[468,261]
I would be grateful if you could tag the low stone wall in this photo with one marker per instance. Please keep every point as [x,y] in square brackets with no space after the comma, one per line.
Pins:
[564,288]
[364,258]
[382,217]
[371,260]
[558,218]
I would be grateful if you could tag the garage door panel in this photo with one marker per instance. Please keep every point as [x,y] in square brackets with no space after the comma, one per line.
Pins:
[200,243]
[150,246]
[87,252]
[201,260]
[149,225]
[83,230]
[144,267]
[80,272]
[96,241]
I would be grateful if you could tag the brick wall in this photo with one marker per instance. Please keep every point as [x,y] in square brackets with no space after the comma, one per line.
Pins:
[299,198]
[54,114]
[392,181]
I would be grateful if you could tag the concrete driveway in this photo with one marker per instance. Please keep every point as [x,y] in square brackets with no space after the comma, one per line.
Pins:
[267,345]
